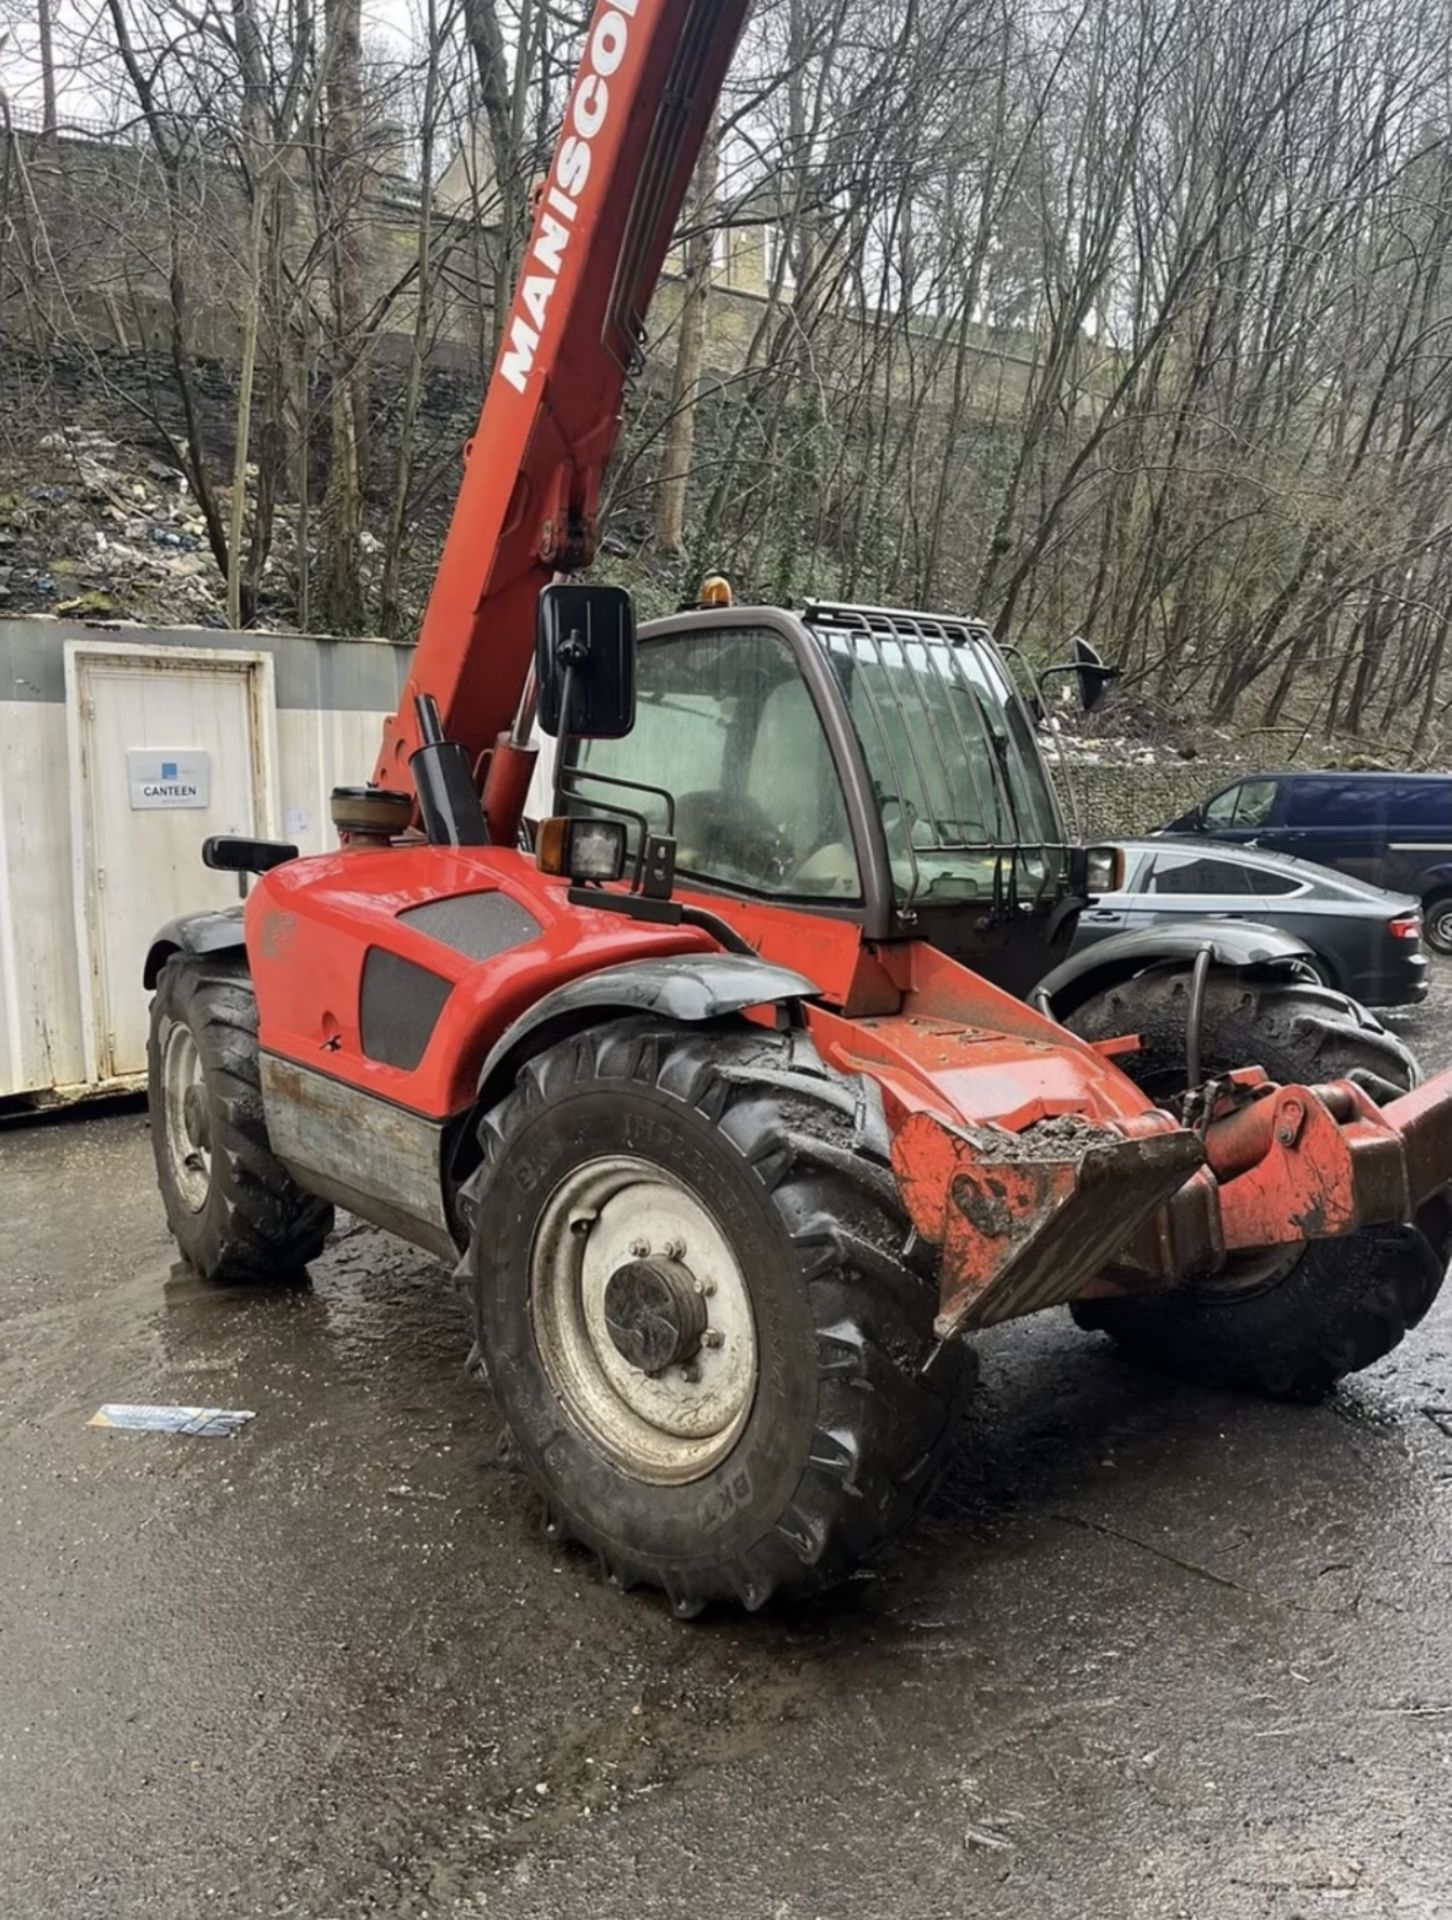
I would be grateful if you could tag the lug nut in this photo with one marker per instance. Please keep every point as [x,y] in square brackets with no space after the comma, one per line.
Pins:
[640,1248]
[690,1373]
[704,1287]
[675,1249]
[713,1337]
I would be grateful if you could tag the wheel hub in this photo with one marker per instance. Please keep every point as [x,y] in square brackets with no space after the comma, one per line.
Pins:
[655,1312]
[195,1117]
[643,1320]
[186,1117]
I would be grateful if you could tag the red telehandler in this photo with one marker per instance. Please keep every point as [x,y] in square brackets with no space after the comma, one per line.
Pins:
[716,1083]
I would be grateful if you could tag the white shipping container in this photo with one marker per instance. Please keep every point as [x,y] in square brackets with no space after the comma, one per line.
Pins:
[121,749]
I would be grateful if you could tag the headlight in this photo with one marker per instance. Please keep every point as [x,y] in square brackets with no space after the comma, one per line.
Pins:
[581,849]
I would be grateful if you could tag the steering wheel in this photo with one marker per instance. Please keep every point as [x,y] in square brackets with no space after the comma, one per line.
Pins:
[732,836]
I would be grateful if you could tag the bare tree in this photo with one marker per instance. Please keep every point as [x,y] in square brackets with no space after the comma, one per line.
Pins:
[1133,315]
[675,462]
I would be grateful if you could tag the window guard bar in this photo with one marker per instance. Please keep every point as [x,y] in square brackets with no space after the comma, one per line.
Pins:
[935,651]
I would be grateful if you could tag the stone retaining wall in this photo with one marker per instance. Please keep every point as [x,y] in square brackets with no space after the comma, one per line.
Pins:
[1123,801]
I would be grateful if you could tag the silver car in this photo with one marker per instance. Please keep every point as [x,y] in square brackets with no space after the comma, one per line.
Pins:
[1366,942]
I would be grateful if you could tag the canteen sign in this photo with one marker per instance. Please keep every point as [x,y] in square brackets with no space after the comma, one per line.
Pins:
[168,780]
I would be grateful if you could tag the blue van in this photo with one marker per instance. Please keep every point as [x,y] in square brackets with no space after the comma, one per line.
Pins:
[1393,829]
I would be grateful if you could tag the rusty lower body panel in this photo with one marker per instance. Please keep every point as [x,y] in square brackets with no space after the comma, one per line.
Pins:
[1067,1206]
[368,1155]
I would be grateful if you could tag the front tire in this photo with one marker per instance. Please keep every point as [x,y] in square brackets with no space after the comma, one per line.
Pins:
[763,1444]
[1288,1327]
[235,1211]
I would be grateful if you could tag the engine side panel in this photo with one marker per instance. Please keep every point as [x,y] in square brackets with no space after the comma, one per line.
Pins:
[312,924]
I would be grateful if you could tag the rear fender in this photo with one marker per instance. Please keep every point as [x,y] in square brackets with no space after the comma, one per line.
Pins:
[216,931]
[1238,946]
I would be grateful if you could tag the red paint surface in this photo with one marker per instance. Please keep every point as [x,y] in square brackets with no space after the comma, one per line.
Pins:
[311,923]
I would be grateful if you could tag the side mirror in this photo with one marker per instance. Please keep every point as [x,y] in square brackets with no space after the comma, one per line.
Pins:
[231,853]
[584,661]
[1093,671]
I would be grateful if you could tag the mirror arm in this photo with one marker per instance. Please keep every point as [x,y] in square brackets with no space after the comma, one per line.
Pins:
[1065,770]
[1051,673]
[567,704]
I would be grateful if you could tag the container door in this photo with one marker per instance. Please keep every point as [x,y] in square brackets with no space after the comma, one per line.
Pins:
[167,747]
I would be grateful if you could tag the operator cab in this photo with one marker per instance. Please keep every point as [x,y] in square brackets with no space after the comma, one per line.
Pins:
[865,763]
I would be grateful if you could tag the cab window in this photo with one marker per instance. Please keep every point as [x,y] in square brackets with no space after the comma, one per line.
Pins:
[726,726]
[953,762]
[1247,805]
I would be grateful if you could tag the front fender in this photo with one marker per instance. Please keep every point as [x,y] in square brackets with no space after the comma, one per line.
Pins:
[1235,944]
[690,988]
[218,930]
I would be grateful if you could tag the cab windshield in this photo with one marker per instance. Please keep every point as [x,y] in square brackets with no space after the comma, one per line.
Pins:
[965,802]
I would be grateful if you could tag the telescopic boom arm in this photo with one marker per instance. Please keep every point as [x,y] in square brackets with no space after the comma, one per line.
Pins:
[637,117]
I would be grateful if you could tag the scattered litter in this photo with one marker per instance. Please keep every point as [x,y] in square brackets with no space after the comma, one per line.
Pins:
[405,1492]
[215,1423]
[987,1837]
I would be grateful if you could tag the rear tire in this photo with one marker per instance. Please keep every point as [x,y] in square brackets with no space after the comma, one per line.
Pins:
[235,1211]
[807,1261]
[1294,1330]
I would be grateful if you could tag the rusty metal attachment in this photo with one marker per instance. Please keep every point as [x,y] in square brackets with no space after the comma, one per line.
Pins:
[1067,1207]
[1024,1219]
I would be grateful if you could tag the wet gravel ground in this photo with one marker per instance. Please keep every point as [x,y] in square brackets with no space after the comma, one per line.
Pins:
[1152,1651]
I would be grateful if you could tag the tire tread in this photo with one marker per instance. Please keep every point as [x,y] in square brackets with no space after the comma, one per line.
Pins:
[887,1397]
[1347,1302]
[263,1226]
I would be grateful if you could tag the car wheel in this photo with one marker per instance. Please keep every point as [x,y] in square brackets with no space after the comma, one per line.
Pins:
[1437,924]
[1324,972]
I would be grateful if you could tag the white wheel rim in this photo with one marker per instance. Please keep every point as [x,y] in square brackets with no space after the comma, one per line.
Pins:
[668,1427]
[186,1115]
